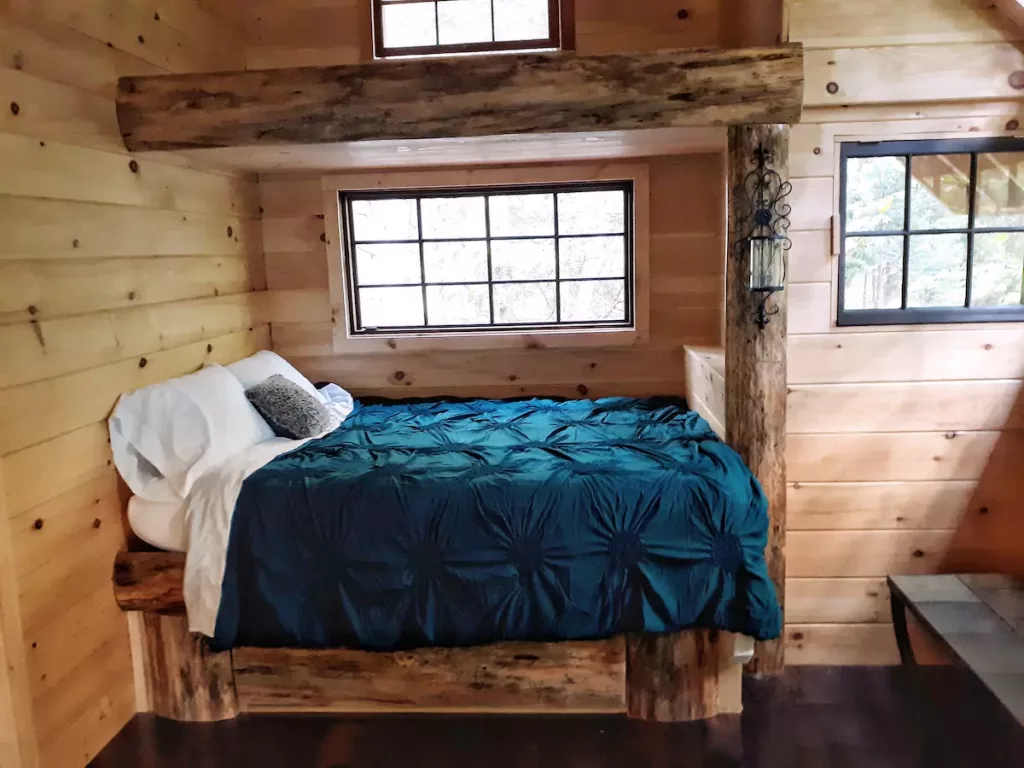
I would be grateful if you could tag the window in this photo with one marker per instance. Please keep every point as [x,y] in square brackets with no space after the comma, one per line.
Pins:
[494,259]
[932,232]
[416,28]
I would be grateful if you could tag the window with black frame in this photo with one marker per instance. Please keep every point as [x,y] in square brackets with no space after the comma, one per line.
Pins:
[932,232]
[432,27]
[492,259]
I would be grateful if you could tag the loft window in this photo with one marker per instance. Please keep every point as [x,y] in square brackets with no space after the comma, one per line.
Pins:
[932,232]
[416,28]
[494,259]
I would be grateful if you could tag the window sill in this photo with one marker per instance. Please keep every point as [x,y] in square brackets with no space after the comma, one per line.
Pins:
[344,344]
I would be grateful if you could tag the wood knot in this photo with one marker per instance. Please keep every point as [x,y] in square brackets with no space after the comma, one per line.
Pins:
[15,108]
[983,511]
[42,143]
[131,295]
[1016,79]
[323,238]
[143,362]
[33,309]
[593,366]
[798,636]
[156,16]
[231,232]
[76,243]
[97,523]
[261,210]
[682,14]
[399,375]
[392,344]
[832,88]
[513,377]
[133,166]
[209,348]
[582,390]
[141,39]
[918,553]
[38,524]
[796,486]
[1013,125]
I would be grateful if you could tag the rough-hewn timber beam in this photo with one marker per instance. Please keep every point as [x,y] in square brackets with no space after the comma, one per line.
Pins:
[463,96]
[755,361]
[150,582]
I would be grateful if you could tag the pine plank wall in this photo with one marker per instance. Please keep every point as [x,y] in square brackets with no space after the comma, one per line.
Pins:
[114,273]
[903,441]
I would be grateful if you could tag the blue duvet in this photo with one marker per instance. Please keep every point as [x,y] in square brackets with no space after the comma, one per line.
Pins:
[463,523]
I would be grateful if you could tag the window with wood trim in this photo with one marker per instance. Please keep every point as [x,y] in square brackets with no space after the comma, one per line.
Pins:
[496,259]
[418,28]
[932,232]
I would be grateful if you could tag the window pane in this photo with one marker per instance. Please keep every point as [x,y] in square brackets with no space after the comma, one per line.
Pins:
[939,191]
[592,257]
[521,19]
[591,213]
[408,25]
[464,21]
[390,307]
[391,264]
[998,264]
[460,262]
[458,305]
[523,259]
[875,189]
[874,273]
[594,300]
[384,220]
[522,215]
[1000,195]
[445,217]
[937,271]
[524,303]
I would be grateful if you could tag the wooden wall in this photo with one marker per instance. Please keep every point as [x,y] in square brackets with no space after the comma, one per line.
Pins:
[686,273]
[905,443]
[323,32]
[115,272]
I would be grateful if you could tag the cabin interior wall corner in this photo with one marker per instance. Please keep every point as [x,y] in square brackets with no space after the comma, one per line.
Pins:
[115,272]
[904,442]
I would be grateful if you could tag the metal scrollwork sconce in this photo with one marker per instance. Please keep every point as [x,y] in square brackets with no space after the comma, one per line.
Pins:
[764,219]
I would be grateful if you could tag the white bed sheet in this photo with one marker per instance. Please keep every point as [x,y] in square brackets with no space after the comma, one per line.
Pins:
[210,508]
[160,524]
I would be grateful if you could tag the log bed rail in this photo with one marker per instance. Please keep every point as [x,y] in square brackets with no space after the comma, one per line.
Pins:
[692,675]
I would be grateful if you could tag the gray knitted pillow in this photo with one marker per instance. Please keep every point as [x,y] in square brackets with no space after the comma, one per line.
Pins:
[289,409]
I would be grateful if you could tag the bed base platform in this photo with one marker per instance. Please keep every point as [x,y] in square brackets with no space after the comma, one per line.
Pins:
[692,675]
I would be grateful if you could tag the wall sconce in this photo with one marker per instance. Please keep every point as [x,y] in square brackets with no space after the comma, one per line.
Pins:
[764,220]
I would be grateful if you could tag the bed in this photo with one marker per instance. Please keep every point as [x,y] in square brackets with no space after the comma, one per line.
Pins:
[465,523]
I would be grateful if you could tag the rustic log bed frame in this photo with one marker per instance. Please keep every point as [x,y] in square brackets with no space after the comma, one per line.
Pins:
[690,675]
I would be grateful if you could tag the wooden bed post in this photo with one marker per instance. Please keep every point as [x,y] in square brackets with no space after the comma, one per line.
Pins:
[755,360]
[186,681]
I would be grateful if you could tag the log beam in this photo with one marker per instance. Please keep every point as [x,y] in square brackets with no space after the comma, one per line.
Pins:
[463,96]
[150,582]
[186,681]
[682,676]
[755,365]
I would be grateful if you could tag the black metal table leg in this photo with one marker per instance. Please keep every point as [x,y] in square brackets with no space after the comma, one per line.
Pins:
[899,625]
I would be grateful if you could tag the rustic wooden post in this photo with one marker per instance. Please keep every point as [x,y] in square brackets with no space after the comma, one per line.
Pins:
[186,681]
[682,676]
[755,359]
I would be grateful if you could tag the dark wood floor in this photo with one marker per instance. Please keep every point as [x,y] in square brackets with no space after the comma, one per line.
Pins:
[806,718]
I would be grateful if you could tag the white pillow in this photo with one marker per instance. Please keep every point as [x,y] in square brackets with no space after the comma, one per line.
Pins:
[261,366]
[178,430]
